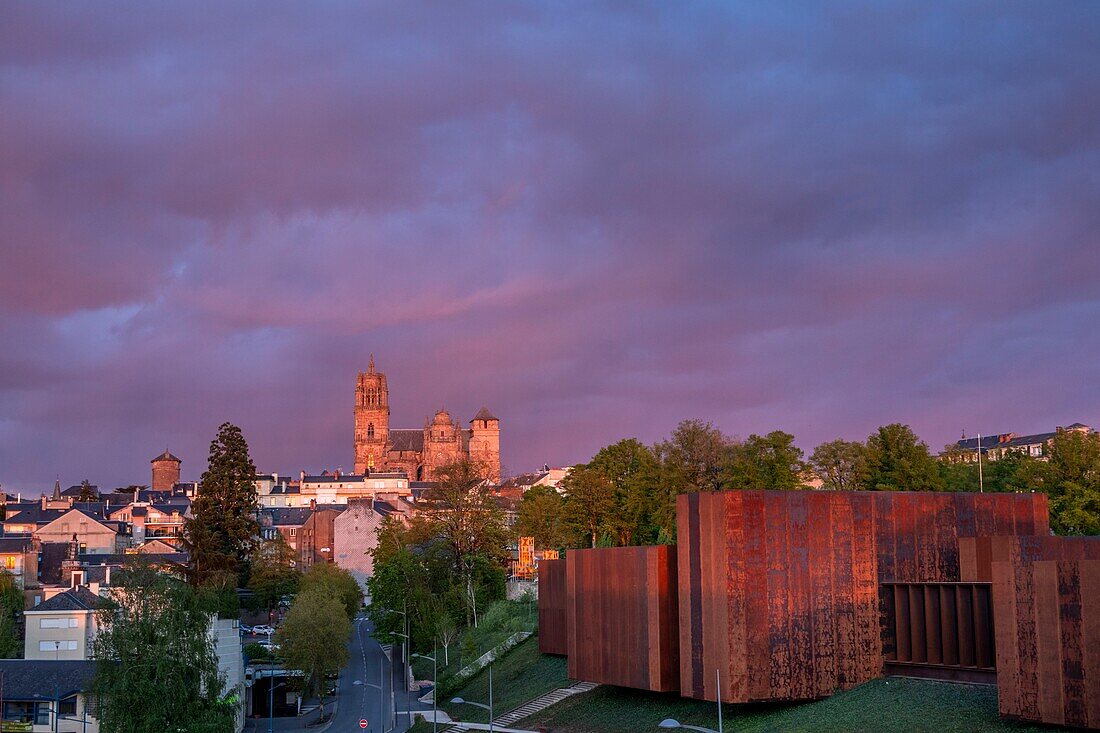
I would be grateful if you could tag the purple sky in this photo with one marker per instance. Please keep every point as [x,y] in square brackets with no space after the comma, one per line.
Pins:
[596,220]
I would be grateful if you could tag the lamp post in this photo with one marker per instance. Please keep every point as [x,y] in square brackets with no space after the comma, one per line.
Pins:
[435,690]
[489,707]
[270,687]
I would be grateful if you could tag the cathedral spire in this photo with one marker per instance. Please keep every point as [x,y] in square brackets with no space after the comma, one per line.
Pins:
[370,365]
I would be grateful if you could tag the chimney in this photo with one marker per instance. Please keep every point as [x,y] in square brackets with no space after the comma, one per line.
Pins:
[107,578]
[313,505]
[94,587]
[302,476]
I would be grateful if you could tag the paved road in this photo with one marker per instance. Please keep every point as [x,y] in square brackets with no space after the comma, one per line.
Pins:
[359,700]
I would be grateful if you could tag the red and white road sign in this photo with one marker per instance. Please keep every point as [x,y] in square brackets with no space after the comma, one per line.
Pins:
[362,722]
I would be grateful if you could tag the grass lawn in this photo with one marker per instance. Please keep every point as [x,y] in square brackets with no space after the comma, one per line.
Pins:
[882,706]
[520,675]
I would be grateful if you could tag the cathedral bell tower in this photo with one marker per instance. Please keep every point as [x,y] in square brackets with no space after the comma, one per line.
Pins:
[372,419]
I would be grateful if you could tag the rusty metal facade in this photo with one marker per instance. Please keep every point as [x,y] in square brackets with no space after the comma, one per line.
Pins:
[940,630]
[780,591]
[1048,639]
[621,617]
[553,629]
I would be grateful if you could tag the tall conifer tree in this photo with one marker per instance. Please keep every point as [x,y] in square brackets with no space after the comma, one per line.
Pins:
[223,531]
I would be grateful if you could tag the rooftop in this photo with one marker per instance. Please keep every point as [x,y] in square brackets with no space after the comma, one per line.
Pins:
[74,599]
[28,679]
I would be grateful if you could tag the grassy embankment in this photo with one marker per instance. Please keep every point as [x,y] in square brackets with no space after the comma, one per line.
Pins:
[883,706]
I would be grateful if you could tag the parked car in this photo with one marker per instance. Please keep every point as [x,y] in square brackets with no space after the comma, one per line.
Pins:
[246,629]
[262,630]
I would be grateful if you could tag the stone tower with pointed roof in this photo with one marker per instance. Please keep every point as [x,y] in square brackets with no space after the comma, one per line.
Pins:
[418,452]
[166,471]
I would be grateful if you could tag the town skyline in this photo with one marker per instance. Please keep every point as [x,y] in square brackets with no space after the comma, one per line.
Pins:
[814,219]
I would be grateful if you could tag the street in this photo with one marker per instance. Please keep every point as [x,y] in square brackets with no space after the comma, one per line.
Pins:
[358,696]
[359,700]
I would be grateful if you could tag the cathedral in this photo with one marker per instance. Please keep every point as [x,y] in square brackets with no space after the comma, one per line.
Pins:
[418,452]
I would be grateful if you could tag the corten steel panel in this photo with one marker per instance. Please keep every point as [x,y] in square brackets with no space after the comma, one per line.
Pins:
[978,553]
[1049,660]
[780,590]
[934,627]
[553,632]
[622,617]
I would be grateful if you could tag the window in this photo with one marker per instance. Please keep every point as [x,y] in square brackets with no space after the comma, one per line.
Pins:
[370,432]
[58,623]
[68,707]
[42,713]
[293,532]
[9,562]
[57,646]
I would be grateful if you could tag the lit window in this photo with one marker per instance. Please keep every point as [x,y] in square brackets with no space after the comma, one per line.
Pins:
[9,562]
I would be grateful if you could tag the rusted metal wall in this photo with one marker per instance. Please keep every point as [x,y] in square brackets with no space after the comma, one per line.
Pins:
[977,554]
[622,617]
[1048,640]
[553,629]
[780,590]
[938,630]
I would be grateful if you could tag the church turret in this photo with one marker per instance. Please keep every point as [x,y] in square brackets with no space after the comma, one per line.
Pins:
[372,419]
[485,442]
[166,471]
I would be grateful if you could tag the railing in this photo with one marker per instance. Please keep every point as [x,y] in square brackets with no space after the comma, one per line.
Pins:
[938,630]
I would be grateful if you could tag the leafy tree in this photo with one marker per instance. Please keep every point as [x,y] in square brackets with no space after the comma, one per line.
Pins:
[274,574]
[693,456]
[223,530]
[634,473]
[1076,509]
[11,612]
[771,461]
[840,464]
[1073,482]
[897,460]
[461,512]
[589,503]
[156,669]
[395,577]
[334,581]
[541,515]
[314,637]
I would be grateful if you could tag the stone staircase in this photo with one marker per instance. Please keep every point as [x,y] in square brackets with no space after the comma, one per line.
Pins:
[533,706]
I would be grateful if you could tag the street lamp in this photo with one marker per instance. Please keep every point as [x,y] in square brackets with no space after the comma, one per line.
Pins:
[435,691]
[489,707]
[670,723]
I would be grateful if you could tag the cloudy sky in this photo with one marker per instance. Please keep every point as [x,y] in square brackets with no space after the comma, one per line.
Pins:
[596,219]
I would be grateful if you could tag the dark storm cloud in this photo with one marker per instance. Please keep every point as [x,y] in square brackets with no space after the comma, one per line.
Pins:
[597,220]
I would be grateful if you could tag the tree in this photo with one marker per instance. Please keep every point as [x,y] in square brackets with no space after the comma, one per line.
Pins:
[634,474]
[541,515]
[274,574]
[334,581]
[314,637]
[1073,482]
[897,460]
[11,611]
[446,630]
[589,503]
[840,464]
[461,512]
[771,461]
[87,492]
[223,530]
[156,669]
[693,456]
